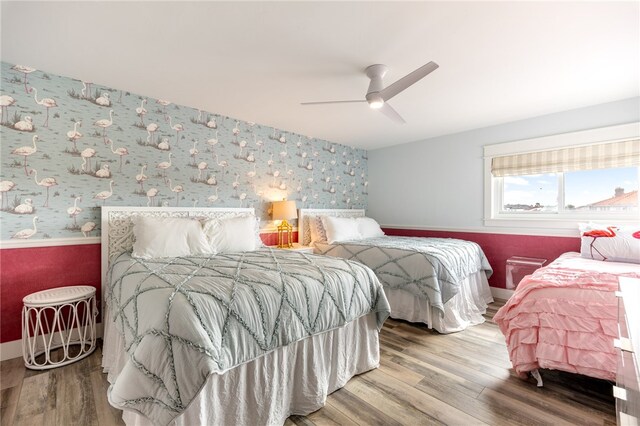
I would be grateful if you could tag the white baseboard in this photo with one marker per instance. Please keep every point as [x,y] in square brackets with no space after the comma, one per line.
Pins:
[501,293]
[13,349]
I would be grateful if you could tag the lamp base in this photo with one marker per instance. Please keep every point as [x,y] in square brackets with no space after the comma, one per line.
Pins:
[285,237]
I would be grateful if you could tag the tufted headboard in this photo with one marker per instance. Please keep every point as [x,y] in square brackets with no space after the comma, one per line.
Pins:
[304,232]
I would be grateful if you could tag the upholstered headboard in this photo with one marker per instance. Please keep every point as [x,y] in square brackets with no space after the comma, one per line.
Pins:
[304,232]
[117,225]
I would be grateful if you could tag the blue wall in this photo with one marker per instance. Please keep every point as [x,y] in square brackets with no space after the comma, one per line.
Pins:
[255,164]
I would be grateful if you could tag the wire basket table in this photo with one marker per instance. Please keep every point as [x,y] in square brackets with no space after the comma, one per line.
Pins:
[63,317]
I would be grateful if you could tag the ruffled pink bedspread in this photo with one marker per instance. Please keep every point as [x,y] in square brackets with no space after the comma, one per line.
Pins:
[565,317]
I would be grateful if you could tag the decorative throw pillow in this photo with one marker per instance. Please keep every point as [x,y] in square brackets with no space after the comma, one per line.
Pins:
[168,237]
[340,228]
[235,234]
[610,243]
[316,227]
[369,228]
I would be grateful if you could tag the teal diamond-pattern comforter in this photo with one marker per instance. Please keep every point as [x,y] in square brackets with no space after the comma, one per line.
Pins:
[431,268]
[185,318]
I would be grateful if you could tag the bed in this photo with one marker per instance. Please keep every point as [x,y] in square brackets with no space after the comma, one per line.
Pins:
[441,282]
[231,338]
[565,317]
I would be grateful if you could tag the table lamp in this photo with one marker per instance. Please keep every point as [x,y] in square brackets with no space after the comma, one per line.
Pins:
[283,210]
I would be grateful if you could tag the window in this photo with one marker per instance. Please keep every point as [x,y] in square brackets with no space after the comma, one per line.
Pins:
[591,175]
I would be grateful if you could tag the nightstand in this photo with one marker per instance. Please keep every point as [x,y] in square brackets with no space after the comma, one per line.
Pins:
[298,247]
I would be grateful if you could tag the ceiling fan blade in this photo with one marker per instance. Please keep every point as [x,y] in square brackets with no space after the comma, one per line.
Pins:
[406,81]
[392,113]
[331,102]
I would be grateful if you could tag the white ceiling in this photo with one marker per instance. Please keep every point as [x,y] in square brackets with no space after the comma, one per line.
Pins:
[499,61]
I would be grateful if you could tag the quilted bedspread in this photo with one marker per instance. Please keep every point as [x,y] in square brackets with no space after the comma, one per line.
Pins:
[185,318]
[431,268]
[565,316]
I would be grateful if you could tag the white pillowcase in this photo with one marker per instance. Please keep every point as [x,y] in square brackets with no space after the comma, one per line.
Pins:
[168,237]
[235,234]
[340,228]
[369,228]
[610,243]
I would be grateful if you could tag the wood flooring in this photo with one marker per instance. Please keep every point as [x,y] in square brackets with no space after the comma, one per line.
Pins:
[424,378]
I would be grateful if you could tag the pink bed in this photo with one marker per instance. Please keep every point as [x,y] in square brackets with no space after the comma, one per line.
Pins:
[565,317]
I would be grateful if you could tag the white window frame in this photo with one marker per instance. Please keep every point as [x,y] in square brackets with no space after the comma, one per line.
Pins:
[553,222]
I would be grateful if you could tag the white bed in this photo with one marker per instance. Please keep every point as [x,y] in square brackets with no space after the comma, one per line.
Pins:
[292,379]
[464,309]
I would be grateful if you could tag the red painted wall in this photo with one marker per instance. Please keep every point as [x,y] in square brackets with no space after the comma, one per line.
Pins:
[499,247]
[26,270]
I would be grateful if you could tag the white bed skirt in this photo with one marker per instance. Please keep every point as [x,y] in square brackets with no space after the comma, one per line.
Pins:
[461,311]
[293,379]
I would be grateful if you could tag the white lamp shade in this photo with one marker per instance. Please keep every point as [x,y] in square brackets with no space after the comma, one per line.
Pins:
[284,210]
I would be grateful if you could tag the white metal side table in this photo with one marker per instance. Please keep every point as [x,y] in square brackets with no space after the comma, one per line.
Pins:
[63,317]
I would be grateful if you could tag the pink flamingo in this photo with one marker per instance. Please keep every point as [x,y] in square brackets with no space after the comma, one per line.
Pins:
[74,134]
[26,151]
[74,211]
[86,155]
[201,166]
[164,104]
[24,70]
[140,178]
[27,233]
[141,111]
[6,186]
[213,142]
[164,166]
[104,123]
[45,102]
[87,228]
[105,194]
[5,102]
[122,151]
[104,100]
[47,182]
[177,189]
[151,196]
[193,152]
[598,233]
[151,130]
[25,125]
[177,127]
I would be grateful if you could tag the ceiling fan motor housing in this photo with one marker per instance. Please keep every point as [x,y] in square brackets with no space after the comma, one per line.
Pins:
[376,73]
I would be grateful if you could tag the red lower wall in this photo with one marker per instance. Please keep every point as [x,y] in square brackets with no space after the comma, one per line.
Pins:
[499,247]
[27,270]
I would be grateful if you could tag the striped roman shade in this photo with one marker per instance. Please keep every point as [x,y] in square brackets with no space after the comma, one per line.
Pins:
[589,157]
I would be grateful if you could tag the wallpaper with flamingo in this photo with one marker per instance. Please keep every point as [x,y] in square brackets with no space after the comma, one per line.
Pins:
[70,146]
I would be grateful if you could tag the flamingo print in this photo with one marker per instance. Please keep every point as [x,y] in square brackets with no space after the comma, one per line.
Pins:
[6,186]
[26,71]
[74,211]
[105,194]
[212,123]
[27,233]
[151,130]
[5,102]
[86,155]
[599,233]
[104,171]
[164,166]
[25,125]
[201,166]
[45,102]
[87,228]
[118,151]
[25,208]
[177,127]
[177,189]
[104,124]
[151,196]
[213,198]
[164,104]
[213,142]
[74,135]
[141,111]
[86,90]
[140,178]
[47,182]
[193,152]
[104,100]
[164,145]
[26,151]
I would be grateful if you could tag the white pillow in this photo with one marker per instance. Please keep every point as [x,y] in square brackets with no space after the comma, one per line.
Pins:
[610,243]
[340,228]
[168,237]
[368,227]
[235,234]
[317,229]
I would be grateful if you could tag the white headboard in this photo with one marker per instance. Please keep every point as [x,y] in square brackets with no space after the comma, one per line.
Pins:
[304,232]
[117,227]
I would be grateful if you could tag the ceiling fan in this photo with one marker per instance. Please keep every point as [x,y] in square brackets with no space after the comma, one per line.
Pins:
[377,96]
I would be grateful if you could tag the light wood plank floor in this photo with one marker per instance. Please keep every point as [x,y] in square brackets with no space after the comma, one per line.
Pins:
[424,378]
